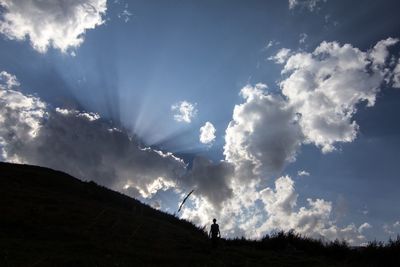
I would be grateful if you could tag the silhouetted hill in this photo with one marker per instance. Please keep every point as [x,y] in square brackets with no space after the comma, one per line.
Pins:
[49,218]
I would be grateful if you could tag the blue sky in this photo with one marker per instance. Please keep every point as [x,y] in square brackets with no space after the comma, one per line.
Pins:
[130,62]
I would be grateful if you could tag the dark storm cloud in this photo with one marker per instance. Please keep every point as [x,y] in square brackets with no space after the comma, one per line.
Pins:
[84,145]
[81,144]
[210,180]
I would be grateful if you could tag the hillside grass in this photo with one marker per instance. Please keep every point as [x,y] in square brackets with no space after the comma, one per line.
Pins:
[49,218]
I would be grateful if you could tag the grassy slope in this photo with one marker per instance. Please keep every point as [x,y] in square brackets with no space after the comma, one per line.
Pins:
[48,218]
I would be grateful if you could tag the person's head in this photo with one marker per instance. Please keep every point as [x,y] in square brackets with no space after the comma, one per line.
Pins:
[214,220]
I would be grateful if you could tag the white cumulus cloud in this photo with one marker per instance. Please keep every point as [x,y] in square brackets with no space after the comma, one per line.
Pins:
[263,136]
[311,5]
[207,133]
[270,44]
[303,37]
[392,229]
[281,57]
[8,81]
[312,220]
[125,14]
[396,75]
[326,86]
[184,111]
[320,93]
[379,53]
[264,133]
[303,173]
[364,227]
[51,23]
[20,115]
[239,215]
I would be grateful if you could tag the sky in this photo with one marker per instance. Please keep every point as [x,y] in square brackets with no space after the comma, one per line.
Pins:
[279,114]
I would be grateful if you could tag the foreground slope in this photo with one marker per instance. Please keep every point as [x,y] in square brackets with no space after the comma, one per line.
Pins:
[49,218]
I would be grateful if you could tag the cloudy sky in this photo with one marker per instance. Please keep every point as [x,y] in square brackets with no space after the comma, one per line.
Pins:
[279,114]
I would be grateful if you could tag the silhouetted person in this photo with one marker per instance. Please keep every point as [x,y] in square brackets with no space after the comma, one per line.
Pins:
[214,233]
